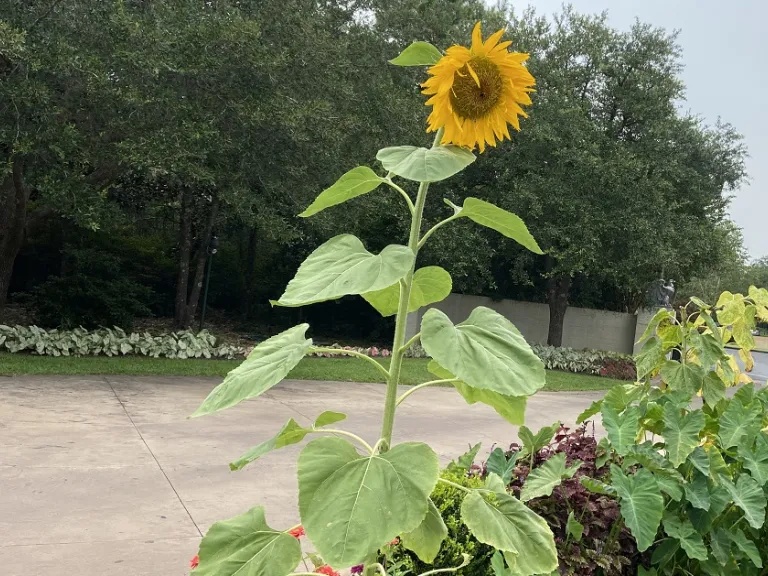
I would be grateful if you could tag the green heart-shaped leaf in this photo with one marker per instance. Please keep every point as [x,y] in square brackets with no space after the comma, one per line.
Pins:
[507,524]
[621,430]
[532,443]
[574,527]
[430,284]
[756,459]
[697,492]
[681,433]
[495,218]
[351,505]
[740,424]
[246,546]
[343,266]
[356,182]
[425,164]
[542,480]
[266,366]
[749,496]
[746,545]
[426,539]
[684,377]
[418,54]
[642,505]
[684,532]
[486,351]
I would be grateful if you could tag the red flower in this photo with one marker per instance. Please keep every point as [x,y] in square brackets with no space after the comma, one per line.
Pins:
[194,562]
[395,542]
[327,570]
[297,532]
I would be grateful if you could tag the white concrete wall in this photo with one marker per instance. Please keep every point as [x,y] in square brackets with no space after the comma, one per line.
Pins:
[583,327]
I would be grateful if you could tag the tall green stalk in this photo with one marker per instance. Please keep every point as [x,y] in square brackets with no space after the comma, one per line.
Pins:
[402,313]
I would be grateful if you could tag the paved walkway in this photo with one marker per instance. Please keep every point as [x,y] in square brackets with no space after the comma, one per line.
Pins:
[106,476]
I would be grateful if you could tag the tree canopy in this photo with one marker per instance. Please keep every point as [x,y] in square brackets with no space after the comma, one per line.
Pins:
[141,130]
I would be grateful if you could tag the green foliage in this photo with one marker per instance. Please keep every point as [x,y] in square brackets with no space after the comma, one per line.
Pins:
[426,539]
[114,342]
[706,472]
[343,266]
[430,284]
[425,164]
[418,54]
[356,182]
[545,478]
[486,351]
[266,366]
[505,223]
[247,543]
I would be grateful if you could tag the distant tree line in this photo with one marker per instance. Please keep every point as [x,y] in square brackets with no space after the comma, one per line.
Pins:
[133,131]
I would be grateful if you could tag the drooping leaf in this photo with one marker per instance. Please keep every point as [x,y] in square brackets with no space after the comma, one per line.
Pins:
[700,460]
[621,429]
[343,266]
[465,461]
[593,409]
[681,433]
[749,496]
[574,527]
[650,355]
[597,487]
[709,348]
[246,546]
[327,418]
[756,459]
[742,334]
[684,532]
[672,487]
[532,443]
[340,492]
[642,505]
[486,351]
[266,366]
[542,480]
[498,566]
[720,543]
[647,455]
[746,545]
[425,164]
[661,315]
[684,377]
[291,433]
[356,182]
[505,223]
[739,424]
[511,408]
[713,388]
[509,525]
[664,551]
[697,492]
[418,54]
[494,483]
[426,539]
[498,464]
[431,284]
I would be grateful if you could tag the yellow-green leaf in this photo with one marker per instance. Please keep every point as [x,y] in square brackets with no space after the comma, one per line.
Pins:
[426,539]
[418,54]
[430,284]
[425,164]
[506,223]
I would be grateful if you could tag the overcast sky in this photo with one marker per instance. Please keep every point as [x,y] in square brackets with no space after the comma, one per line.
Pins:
[725,53]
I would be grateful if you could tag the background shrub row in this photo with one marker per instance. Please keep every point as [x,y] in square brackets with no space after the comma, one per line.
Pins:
[187,344]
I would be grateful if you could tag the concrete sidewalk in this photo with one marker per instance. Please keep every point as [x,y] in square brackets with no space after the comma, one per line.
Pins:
[106,476]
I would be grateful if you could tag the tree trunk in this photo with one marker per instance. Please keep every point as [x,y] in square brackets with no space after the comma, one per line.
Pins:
[185,251]
[14,196]
[558,288]
[202,258]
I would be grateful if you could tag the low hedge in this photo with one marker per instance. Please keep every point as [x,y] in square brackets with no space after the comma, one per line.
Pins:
[188,344]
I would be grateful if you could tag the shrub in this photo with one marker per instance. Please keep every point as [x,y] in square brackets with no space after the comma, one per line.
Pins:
[92,291]
[598,362]
[448,500]
[114,342]
[691,481]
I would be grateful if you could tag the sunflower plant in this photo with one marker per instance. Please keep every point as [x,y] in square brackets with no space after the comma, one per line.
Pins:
[356,497]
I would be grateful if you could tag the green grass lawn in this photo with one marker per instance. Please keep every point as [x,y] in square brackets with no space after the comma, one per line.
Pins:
[341,369]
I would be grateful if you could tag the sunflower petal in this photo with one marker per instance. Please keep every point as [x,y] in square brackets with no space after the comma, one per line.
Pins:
[473,74]
[493,40]
[477,37]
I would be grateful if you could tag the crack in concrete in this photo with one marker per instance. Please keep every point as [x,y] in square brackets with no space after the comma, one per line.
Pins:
[160,467]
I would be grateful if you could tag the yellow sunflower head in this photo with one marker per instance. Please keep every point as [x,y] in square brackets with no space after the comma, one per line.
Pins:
[475,92]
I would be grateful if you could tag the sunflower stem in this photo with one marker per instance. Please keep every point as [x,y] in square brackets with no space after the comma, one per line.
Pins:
[390,405]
